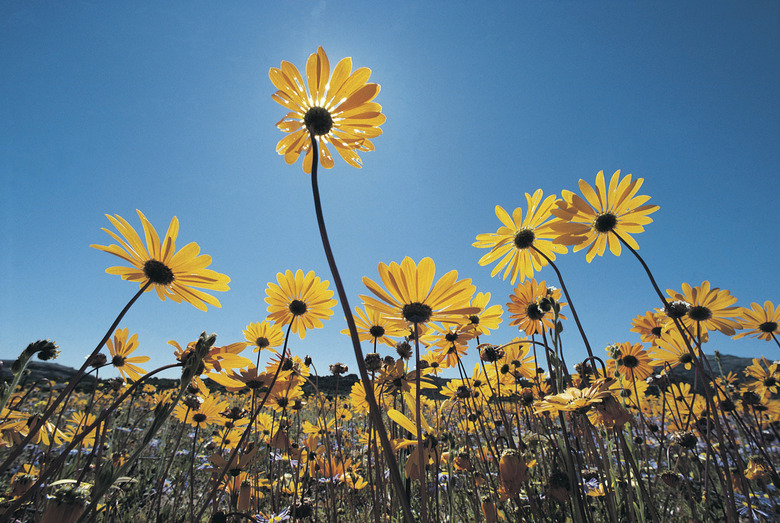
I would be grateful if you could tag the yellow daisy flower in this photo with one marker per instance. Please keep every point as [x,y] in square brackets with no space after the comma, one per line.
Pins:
[411,295]
[518,243]
[587,222]
[337,109]
[709,308]
[174,275]
[373,326]
[487,318]
[120,348]
[530,308]
[261,336]
[761,322]
[299,300]
[634,361]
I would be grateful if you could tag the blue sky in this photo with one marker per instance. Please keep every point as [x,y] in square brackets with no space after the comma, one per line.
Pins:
[110,107]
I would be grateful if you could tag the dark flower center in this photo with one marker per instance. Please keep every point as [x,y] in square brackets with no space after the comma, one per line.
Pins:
[524,238]
[630,361]
[417,312]
[768,326]
[474,319]
[451,337]
[118,361]
[254,384]
[158,272]
[605,222]
[262,342]
[676,309]
[770,381]
[656,331]
[699,313]
[686,358]
[377,331]
[534,312]
[297,307]
[199,418]
[282,402]
[318,121]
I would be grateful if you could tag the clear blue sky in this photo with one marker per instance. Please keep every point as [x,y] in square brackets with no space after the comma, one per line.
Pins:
[108,107]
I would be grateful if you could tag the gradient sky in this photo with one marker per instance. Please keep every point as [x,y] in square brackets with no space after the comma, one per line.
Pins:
[109,107]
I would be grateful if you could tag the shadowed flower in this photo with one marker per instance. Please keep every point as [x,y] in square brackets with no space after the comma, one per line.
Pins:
[587,222]
[531,307]
[175,275]
[411,295]
[515,244]
[767,377]
[650,326]
[670,350]
[337,109]
[761,322]
[710,308]
[120,348]
[300,301]
[576,400]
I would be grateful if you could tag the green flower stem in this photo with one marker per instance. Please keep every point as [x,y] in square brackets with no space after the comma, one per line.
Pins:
[373,408]
[571,302]
[35,427]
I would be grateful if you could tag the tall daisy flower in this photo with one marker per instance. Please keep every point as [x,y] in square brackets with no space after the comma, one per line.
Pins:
[301,301]
[373,326]
[412,296]
[263,335]
[337,109]
[710,308]
[761,322]
[517,244]
[588,222]
[174,275]
[120,348]
[487,318]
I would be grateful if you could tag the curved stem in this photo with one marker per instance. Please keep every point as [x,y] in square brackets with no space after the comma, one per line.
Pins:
[35,427]
[568,297]
[373,408]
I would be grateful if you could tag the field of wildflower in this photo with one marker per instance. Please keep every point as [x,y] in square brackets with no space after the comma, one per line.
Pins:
[525,435]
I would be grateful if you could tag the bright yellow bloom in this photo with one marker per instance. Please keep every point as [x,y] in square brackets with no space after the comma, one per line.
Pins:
[518,243]
[120,348]
[576,400]
[337,109]
[488,317]
[767,377]
[650,326]
[263,335]
[530,308]
[373,326]
[174,275]
[761,322]
[411,295]
[303,301]
[634,362]
[670,350]
[206,413]
[587,222]
[710,308]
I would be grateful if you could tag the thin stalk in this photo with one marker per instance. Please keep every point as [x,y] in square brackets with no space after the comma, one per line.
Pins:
[373,408]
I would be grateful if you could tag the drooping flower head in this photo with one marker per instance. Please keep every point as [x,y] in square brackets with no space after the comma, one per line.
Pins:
[515,244]
[588,222]
[412,296]
[337,109]
[175,275]
[301,300]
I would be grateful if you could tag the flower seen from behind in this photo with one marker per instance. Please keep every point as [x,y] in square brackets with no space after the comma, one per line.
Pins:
[411,295]
[517,244]
[336,108]
[588,222]
[120,348]
[299,300]
[530,308]
[175,275]
[761,322]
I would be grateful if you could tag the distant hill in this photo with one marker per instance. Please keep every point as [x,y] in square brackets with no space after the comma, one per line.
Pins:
[40,370]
